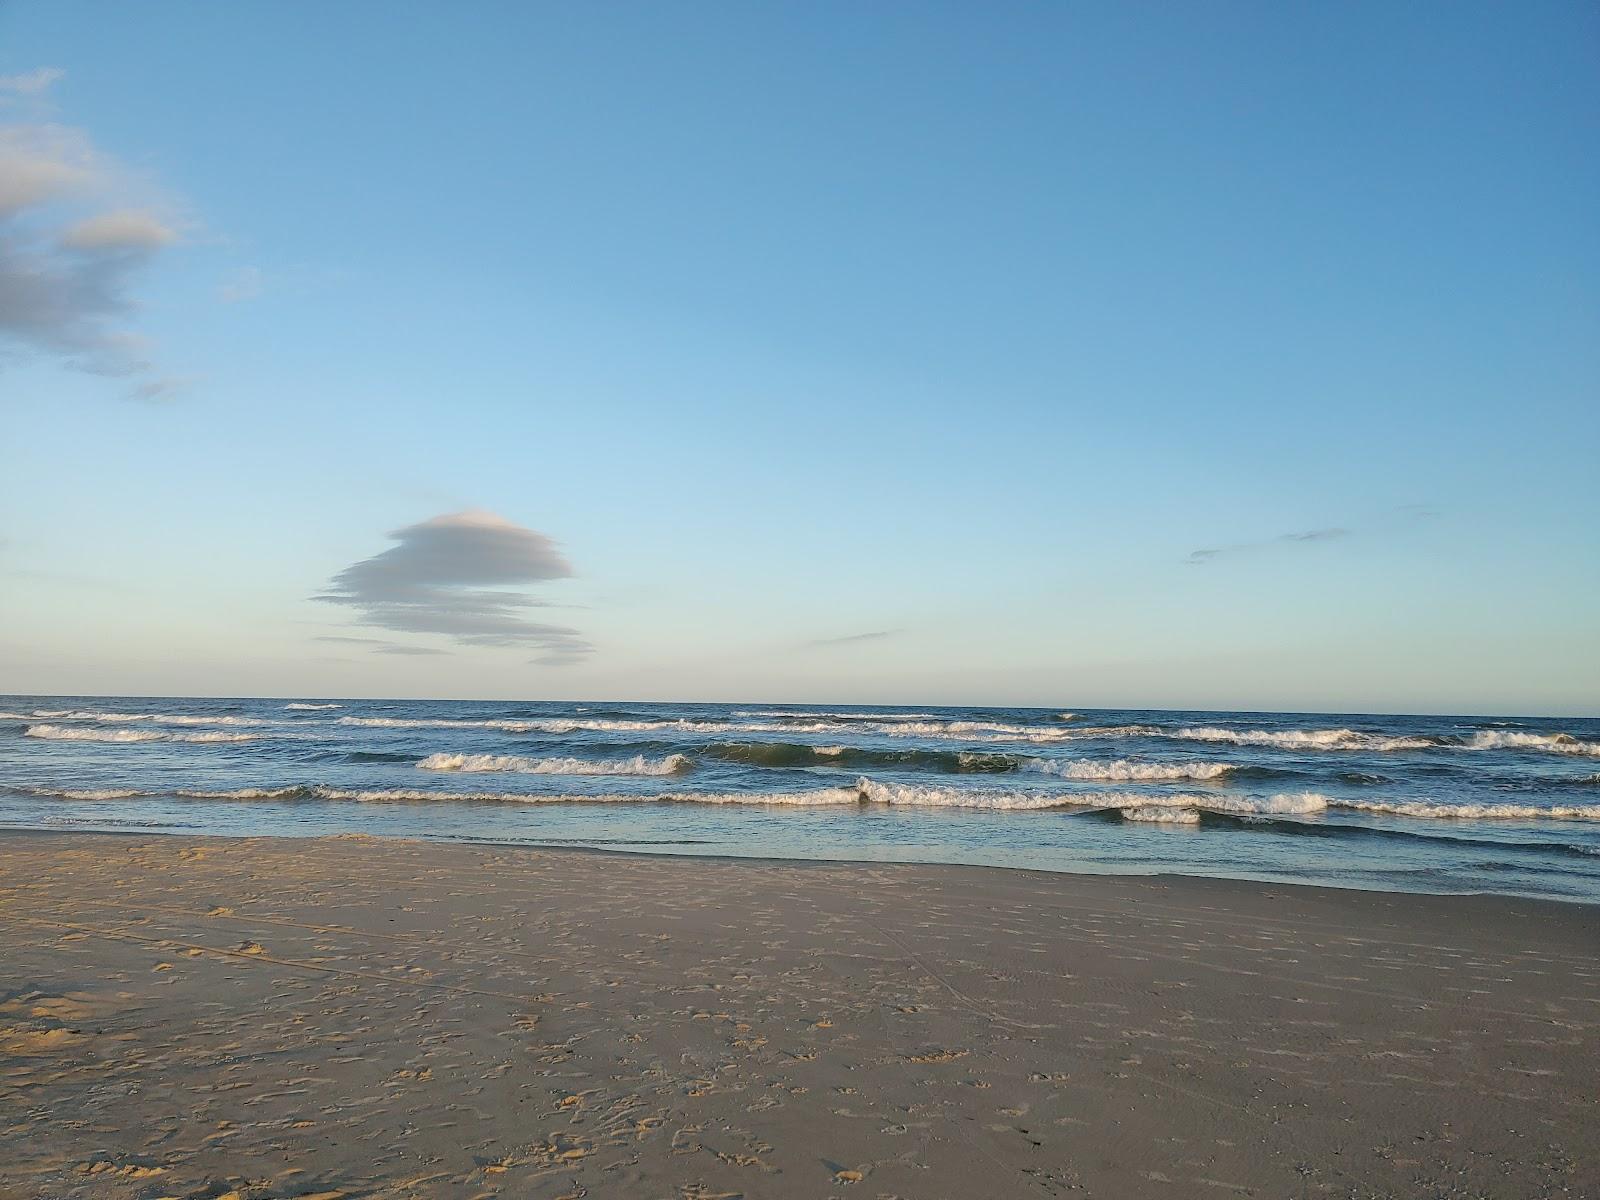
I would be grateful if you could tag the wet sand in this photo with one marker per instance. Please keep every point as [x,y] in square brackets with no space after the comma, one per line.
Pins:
[351,1017]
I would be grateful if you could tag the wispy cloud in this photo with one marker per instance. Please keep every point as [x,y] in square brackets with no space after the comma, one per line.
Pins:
[163,388]
[1211,554]
[75,232]
[244,284]
[444,578]
[379,645]
[31,83]
[848,639]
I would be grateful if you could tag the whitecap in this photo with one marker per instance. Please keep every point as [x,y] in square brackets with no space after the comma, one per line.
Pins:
[61,733]
[1162,815]
[1124,770]
[1473,812]
[673,764]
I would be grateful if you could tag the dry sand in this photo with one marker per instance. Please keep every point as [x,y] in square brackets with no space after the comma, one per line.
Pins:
[271,1018]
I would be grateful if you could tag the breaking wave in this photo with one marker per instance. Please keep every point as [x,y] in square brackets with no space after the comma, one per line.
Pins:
[673,764]
[799,754]
[870,791]
[1475,812]
[797,714]
[1351,739]
[1307,739]
[89,793]
[116,718]
[1555,743]
[560,725]
[1162,816]
[1123,770]
[310,707]
[61,733]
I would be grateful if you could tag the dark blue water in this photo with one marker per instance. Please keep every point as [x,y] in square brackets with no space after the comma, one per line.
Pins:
[1440,804]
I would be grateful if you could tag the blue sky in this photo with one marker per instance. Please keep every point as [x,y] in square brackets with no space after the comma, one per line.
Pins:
[837,352]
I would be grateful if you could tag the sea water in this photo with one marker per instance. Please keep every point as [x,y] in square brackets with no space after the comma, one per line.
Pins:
[1439,804]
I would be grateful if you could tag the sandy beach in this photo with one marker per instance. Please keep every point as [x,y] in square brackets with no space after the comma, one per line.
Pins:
[260,1018]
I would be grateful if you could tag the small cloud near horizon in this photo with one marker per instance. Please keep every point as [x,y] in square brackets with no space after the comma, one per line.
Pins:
[1211,554]
[378,645]
[876,635]
[1415,512]
[446,577]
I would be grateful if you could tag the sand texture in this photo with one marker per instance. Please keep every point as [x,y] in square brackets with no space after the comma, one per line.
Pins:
[353,1017]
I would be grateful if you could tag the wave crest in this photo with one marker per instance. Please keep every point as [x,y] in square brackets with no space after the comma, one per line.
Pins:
[673,764]
[1162,816]
[1475,812]
[1125,770]
[61,733]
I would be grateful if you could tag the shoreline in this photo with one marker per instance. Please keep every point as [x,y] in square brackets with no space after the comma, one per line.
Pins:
[1247,881]
[351,1015]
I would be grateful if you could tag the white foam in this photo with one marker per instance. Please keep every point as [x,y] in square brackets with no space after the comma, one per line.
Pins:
[411,723]
[968,731]
[798,714]
[1473,812]
[1554,743]
[908,795]
[577,724]
[1125,770]
[1287,804]
[959,728]
[60,733]
[867,791]
[152,718]
[1162,815]
[91,794]
[1284,803]
[673,764]
[310,707]
[1306,739]
[819,796]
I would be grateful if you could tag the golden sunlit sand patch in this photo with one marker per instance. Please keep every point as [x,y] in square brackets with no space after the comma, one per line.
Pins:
[20,1039]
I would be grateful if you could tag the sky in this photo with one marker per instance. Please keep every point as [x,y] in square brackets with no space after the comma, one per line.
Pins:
[1229,355]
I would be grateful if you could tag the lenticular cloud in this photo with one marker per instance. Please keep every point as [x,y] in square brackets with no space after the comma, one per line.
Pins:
[447,576]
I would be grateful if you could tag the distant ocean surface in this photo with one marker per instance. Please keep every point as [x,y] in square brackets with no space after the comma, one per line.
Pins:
[1437,804]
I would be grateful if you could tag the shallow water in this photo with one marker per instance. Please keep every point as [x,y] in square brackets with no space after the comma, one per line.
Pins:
[1439,804]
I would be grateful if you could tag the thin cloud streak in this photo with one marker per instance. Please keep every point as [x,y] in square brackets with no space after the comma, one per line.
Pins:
[31,83]
[1199,557]
[379,646]
[876,635]
[1405,512]
[245,284]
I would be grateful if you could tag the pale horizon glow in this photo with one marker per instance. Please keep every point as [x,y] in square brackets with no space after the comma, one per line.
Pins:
[1080,357]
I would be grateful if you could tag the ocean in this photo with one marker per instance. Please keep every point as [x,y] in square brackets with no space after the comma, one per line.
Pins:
[1408,803]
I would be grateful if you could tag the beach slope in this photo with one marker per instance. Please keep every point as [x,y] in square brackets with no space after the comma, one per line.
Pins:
[349,1016]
